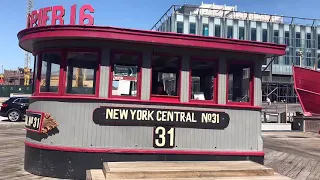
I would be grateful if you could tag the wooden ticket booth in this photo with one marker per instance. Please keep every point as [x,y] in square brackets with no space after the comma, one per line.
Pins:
[105,94]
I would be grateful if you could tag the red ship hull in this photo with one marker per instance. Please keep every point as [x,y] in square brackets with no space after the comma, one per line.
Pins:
[307,87]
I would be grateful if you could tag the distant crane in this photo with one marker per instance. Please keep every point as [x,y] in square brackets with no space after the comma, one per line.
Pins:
[26,69]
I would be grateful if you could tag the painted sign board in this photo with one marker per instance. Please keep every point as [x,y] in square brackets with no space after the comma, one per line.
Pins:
[33,121]
[123,116]
[55,15]
[163,121]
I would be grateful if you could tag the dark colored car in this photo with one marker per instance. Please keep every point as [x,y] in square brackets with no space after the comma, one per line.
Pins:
[14,108]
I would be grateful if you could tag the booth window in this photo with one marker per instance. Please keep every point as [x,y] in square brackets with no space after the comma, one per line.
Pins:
[50,70]
[240,83]
[81,72]
[125,72]
[165,75]
[203,80]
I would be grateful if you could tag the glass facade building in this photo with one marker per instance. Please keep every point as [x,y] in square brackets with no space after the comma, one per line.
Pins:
[301,35]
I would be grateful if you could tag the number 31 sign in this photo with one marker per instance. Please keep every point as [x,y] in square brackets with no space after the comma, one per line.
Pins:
[164,137]
[33,121]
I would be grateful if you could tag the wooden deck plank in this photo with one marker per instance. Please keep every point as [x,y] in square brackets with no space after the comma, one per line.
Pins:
[315,174]
[275,177]
[274,157]
[298,143]
[293,173]
[269,153]
[277,160]
[279,163]
[201,165]
[286,163]
[95,174]
[307,170]
[184,169]
[12,154]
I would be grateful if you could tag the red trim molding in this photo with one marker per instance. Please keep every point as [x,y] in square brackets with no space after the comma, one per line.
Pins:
[143,151]
[143,36]
[119,100]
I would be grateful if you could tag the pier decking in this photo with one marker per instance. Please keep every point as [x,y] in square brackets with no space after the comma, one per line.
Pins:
[293,154]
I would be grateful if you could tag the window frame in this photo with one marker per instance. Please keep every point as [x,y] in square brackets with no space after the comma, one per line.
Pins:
[318,41]
[34,75]
[298,40]
[287,39]
[215,80]
[65,63]
[217,33]
[276,36]
[231,31]
[308,40]
[63,72]
[205,33]
[242,33]
[229,63]
[253,31]
[139,74]
[180,23]
[195,28]
[166,98]
[39,71]
[264,32]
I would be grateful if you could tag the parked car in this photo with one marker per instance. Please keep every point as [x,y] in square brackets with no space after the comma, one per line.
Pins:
[14,108]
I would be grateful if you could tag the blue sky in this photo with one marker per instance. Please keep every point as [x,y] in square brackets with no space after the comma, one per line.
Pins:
[140,14]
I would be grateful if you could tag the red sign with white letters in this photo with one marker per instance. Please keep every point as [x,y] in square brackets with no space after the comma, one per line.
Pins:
[56,16]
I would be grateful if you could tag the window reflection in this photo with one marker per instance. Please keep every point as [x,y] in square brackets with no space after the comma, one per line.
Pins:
[230,32]
[264,35]
[165,70]
[35,72]
[192,28]
[50,69]
[239,78]
[81,72]
[125,74]
[241,33]
[179,27]
[202,82]
[253,34]
[205,30]
[217,30]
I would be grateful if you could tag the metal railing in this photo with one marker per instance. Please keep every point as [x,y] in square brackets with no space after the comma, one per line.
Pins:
[231,14]
[165,16]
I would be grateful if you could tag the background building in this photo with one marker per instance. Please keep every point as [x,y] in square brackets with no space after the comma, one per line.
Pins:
[302,36]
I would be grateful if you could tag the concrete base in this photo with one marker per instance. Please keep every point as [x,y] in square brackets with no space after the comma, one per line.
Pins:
[276,127]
